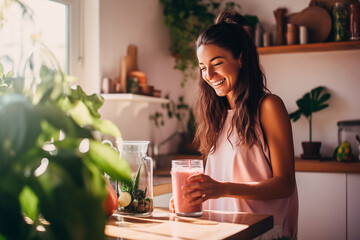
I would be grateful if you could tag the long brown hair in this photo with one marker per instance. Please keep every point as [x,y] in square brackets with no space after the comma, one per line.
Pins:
[210,109]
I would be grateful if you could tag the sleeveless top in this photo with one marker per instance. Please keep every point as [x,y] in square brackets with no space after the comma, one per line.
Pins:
[232,162]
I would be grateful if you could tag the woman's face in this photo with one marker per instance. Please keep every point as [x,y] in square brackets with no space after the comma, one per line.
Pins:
[219,69]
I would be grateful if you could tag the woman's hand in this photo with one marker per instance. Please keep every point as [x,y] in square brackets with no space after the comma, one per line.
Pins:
[172,205]
[201,187]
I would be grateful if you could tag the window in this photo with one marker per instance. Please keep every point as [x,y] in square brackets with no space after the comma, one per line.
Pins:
[56,24]
[60,24]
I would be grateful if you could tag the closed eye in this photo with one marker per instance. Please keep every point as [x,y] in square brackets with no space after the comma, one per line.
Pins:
[217,64]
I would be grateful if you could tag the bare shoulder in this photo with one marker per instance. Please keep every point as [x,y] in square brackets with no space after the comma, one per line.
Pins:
[273,111]
[271,103]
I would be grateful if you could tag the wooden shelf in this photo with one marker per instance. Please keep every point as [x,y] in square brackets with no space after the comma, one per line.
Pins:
[130,97]
[307,165]
[311,47]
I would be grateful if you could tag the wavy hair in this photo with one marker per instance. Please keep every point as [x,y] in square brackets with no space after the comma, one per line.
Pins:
[210,109]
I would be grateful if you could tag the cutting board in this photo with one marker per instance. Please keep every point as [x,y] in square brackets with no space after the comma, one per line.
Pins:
[316,19]
[128,63]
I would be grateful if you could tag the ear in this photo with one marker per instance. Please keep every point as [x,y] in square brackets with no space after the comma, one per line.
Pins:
[240,60]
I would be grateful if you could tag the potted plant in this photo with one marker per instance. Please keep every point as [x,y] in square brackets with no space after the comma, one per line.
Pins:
[52,169]
[183,113]
[52,183]
[311,102]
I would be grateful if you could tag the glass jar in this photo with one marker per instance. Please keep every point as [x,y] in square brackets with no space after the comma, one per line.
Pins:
[340,15]
[137,199]
[181,170]
[347,131]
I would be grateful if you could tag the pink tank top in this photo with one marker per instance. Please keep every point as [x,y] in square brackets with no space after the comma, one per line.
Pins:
[237,163]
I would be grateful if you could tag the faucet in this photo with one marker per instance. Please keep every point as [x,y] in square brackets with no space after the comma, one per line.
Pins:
[154,148]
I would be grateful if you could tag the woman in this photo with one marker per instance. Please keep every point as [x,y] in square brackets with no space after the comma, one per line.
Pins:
[244,131]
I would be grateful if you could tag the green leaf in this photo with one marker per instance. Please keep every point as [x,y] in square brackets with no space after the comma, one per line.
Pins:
[92,102]
[107,127]
[324,97]
[137,179]
[305,105]
[10,74]
[29,203]
[58,120]
[80,113]
[320,107]
[1,70]
[20,126]
[295,115]
[2,237]
[108,159]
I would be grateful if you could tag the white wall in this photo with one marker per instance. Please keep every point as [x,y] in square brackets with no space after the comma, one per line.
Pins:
[140,22]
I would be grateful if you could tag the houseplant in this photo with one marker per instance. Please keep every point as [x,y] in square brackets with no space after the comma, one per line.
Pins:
[183,113]
[311,102]
[53,179]
[52,183]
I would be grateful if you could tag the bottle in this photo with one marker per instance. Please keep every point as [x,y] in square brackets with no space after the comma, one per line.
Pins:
[266,39]
[137,199]
[354,21]
[291,34]
[303,35]
[340,21]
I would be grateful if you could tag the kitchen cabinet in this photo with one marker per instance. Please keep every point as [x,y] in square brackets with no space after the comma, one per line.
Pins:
[311,47]
[328,205]
[353,206]
[322,205]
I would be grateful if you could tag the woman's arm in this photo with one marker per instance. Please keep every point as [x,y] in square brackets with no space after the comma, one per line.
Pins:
[276,126]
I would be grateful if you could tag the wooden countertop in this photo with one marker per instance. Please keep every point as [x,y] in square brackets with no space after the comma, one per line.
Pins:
[162,185]
[163,225]
[302,165]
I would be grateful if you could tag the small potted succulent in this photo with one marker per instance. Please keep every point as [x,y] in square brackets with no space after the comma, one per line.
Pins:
[311,102]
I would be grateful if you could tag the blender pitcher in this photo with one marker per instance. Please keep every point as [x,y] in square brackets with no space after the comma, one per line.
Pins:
[136,199]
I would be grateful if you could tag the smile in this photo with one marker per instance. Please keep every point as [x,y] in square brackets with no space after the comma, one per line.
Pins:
[218,82]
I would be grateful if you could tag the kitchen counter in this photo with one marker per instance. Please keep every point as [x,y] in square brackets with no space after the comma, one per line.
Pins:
[162,185]
[162,179]
[302,165]
[162,225]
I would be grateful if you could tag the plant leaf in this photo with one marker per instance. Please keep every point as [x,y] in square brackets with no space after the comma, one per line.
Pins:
[108,159]
[136,179]
[29,203]
[92,102]
[295,115]
[107,127]
[324,97]
[304,105]
[1,70]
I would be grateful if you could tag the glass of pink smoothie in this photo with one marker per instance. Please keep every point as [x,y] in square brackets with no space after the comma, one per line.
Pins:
[181,170]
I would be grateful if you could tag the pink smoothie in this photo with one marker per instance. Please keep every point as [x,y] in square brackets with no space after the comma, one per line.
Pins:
[178,180]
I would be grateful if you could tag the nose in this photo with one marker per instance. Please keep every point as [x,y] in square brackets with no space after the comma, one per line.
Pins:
[210,73]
